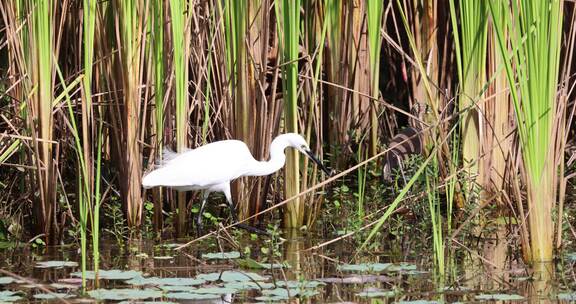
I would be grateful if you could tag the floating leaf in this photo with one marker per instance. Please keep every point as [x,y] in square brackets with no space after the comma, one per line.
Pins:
[300,284]
[140,281]
[56,264]
[378,267]
[287,293]
[283,294]
[357,279]
[110,274]
[146,302]
[215,290]
[192,296]
[178,288]
[231,276]
[124,294]
[221,255]
[6,280]
[9,296]
[377,293]
[64,286]
[402,267]
[250,263]
[364,267]
[171,245]
[268,299]
[249,285]
[499,297]
[165,257]
[418,302]
[51,296]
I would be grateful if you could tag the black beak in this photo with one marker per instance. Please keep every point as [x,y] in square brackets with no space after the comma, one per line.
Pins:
[318,162]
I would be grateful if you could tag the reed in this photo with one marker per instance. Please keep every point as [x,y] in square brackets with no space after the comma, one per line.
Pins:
[130,28]
[374,13]
[180,38]
[532,70]
[470,39]
[158,66]
[40,67]
[288,13]
[241,83]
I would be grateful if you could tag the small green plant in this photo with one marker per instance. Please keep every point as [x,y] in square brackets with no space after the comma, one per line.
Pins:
[119,227]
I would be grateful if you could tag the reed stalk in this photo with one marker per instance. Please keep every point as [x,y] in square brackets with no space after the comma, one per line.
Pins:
[289,31]
[40,122]
[92,179]
[180,39]
[532,70]
[374,13]
[158,63]
[498,110]
[130,26]
[316,31]
[470,40]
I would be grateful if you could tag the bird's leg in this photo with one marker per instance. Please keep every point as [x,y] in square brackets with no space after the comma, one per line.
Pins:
[199,227]
[230,203]
[247,227]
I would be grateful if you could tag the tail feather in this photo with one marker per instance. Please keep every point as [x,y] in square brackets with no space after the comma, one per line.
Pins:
[149,180]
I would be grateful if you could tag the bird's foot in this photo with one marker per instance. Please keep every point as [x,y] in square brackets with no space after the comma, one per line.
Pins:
[199,229]
[253,229]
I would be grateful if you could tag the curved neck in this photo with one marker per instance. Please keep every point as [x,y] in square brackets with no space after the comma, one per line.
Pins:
[277,159]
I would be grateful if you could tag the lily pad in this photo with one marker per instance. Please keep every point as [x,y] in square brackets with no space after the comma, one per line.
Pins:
[283,294]
[191,296]
[64,286]
[357,279]
[176,288]
[215,290]
[300,284]
[124,294]
[377,267]
[56,264]
[231,276]
[146,302]
[221,255]
[268,299]
[499,297]
[253,264]
[52,296]
[248,285]
[418,302]
[9,296]
[6,280]
[290,292]
[377,293]
[140,281]
[110,274]
[165,257]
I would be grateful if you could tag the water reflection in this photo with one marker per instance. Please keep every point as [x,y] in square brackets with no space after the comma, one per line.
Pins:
[486,269]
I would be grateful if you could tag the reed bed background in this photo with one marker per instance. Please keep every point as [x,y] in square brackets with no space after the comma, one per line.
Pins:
[91,92]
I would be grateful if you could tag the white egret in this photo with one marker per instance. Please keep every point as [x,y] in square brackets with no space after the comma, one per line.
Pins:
[211,167]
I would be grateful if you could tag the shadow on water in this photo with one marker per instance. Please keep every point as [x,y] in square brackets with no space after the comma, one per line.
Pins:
[268,270]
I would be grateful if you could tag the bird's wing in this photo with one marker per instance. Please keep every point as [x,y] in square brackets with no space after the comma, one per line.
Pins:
[207,165]
[168,155]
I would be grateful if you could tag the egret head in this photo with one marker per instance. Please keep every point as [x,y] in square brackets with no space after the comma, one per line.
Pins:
[299,143]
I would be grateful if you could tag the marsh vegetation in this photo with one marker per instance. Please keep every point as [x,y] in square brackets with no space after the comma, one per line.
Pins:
[448,124]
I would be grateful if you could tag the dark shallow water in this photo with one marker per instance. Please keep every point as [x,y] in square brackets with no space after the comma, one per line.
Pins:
[472,276]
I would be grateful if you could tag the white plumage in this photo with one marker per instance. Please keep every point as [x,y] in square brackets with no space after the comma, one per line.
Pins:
[211,167]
